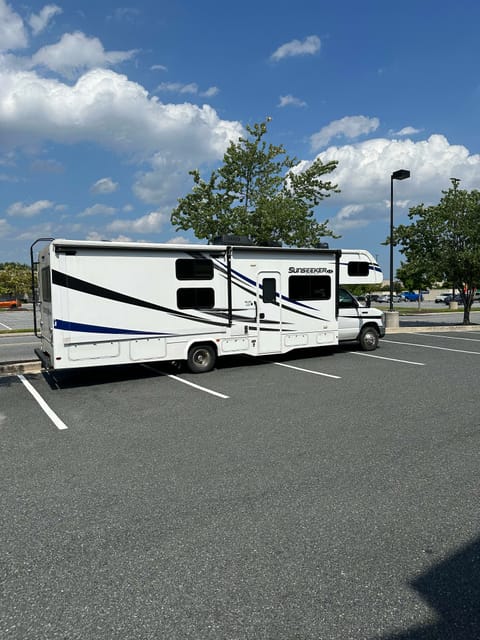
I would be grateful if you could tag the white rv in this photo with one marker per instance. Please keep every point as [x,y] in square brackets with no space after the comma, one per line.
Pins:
[104,303]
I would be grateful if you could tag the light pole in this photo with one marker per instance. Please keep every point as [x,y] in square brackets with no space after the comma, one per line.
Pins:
[401,174]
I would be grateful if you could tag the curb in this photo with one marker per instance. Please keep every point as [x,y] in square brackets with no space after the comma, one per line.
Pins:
[440,328]
[14,368]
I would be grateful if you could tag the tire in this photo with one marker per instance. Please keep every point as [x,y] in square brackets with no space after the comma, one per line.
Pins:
[201,358]
[369,339]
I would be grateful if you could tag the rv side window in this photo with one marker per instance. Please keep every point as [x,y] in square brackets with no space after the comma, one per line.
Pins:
[358,269]
[269,290]
[194,269]
[195,298]
[46,286]
[309,287]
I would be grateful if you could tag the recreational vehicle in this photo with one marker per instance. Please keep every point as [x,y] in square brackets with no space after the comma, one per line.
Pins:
[104,303]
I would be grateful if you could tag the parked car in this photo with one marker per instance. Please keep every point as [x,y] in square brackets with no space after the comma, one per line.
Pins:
[385,298]
[441,297]
[411,296]
[456,298]
[8,302]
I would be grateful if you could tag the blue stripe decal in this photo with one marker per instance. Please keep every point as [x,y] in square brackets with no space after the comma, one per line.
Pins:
[64,325]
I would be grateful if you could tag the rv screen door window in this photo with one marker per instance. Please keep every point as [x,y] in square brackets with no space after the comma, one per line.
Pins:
[269,290]
[309,287]
[358,269]
[194,269]
[45,284]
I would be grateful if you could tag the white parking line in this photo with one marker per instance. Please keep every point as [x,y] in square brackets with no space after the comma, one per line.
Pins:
[190,384]
[50,413]
[370,355]
[429,346]
[436,335]
[316,373]
[5,325]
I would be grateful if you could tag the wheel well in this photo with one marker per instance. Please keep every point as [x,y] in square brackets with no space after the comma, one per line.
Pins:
[204,343]
[370,325]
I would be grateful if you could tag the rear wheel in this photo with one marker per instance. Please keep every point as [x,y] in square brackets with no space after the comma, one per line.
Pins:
[369,339]
[201,358]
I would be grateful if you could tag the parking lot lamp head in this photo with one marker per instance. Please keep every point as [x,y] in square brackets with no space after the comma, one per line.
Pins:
[400,174]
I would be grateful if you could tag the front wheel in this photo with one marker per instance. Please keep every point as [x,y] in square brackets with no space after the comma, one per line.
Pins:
[369,339]
[201,358]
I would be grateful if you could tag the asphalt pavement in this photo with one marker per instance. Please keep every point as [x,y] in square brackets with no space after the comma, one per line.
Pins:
[329,496]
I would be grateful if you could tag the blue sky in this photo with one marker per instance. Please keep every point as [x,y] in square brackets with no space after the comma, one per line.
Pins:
[105,107]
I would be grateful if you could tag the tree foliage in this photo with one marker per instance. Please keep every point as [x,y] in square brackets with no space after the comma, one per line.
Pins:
[443,241]
[15,279]
[255,193]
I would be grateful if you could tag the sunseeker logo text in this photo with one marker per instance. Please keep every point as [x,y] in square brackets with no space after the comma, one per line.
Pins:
[309,270]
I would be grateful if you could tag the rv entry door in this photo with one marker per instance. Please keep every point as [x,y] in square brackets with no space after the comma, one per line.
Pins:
[269,312]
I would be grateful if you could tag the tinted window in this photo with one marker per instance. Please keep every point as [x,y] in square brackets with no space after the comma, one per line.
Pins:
[46,287]
[309,287]
[345,300]
[195,298]
[269,290]
[194,269]
[358,268]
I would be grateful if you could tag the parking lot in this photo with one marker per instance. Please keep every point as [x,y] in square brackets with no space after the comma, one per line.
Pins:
[321,495]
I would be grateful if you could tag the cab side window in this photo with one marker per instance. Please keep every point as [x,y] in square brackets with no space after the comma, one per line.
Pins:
[345,300]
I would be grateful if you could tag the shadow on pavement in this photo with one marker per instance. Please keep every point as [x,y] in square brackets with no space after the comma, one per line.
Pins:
[452,590]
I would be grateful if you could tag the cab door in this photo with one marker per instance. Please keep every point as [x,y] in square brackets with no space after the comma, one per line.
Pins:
[269,312]
[348,316]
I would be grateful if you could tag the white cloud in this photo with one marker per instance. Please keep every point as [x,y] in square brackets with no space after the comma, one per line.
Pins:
[309,46]
[210,92]
[108,109]
[407,131]
[190,88]
[163,182]
[5,227]
[158,67]
[349,217]
[22,210]
[179,240]
[75,53]
[348,127]
[290,100]
[104,185]
[178,87]
[97,210]
[364,170]
[12,30]
[39,21]
[150,223]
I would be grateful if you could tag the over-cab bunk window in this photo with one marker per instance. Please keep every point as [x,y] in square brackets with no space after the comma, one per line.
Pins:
[309,287]
[356,269]
[194,269]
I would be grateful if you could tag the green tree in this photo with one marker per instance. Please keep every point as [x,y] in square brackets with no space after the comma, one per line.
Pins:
[255,193]
[443,241]
[15,279]
[414,277]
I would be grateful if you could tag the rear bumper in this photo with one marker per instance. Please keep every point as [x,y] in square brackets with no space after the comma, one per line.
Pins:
[44,358]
